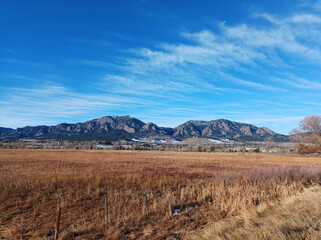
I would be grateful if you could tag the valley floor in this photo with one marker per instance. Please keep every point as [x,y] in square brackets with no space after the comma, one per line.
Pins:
[245,196]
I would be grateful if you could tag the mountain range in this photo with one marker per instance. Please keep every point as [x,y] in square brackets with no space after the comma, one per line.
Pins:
[127,127]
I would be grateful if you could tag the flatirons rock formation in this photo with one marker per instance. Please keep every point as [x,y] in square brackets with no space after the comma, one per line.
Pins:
[125,127]
[223,128]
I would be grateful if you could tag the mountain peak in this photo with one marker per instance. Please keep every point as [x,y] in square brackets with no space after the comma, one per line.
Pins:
[269,131]
[123,117]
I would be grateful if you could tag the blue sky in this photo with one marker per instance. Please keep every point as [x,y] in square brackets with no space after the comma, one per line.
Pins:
[160,61]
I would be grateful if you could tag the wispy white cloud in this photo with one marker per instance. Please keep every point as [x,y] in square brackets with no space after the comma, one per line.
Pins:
[250,84]
[298,82]
[310,103]
[207,50]
[281,36]
[202,63]
[136,85]
[10,51]
[92,42]
[312,4]
[243,48]
[37,105]
[88,62]
[305,18]
[17,61]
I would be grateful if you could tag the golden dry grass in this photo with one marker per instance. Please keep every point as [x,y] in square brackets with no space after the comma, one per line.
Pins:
[295,217]
[33,182]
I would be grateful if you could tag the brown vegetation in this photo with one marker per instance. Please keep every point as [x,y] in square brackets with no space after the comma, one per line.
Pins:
[34,182]
[296,217]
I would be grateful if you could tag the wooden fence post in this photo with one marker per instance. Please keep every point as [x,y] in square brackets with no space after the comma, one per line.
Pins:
[240,180]
[106,206]
[201,190]
[146,202]
[224,183]
[57,222]
[179,193]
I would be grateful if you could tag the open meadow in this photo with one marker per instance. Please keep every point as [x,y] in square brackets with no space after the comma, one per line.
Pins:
[186,192]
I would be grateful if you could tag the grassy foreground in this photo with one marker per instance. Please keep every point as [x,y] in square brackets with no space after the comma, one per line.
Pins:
[186,191]
[296,217]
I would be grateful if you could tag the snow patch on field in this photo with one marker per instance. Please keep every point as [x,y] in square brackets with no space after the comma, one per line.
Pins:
[220,141]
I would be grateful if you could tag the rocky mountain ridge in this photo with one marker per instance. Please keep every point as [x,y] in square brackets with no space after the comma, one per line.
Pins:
[5,130]
[126,127]
[222,128]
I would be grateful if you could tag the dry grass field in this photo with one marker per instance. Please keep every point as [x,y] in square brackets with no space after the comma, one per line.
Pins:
[295,217]
[214,187]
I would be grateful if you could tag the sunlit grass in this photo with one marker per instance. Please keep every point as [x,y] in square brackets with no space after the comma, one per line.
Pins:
[33,182]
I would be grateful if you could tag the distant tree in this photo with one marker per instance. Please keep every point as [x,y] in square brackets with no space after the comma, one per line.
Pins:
[308,135]
[256,150]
